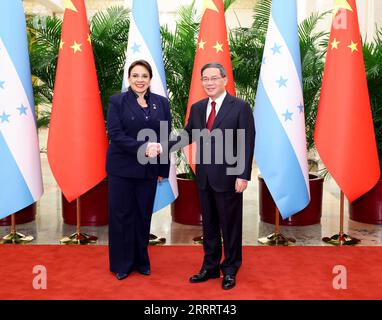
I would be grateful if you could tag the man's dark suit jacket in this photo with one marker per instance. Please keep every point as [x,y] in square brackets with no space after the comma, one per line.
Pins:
[125,119]
[234,114]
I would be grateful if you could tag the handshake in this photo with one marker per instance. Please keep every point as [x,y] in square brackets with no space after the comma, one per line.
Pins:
[153,149]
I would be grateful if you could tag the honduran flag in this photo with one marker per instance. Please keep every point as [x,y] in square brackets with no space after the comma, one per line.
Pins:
[280,146]
[145,43]
[20,167]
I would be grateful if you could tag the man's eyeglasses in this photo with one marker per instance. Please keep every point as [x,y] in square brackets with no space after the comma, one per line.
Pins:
[213,79]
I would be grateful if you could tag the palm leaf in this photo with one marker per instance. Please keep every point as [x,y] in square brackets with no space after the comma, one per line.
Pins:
[110,30]
[228,3]
[178,53]
[372,53]
[44,41]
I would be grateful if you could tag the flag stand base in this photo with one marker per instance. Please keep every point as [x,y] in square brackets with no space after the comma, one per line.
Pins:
[16,238]
[78,238]
[198,240]
[341,239]
[154,240]
[276,239]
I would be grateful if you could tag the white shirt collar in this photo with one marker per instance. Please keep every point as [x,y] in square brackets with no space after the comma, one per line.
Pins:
[219,101]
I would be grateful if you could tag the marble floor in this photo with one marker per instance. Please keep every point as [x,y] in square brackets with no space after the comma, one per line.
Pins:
[48,227]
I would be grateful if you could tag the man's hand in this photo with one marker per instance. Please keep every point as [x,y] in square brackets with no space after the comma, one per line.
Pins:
[152,150]
[240,185]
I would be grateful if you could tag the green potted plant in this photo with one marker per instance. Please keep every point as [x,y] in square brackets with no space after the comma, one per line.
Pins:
[178,53]
[368,208]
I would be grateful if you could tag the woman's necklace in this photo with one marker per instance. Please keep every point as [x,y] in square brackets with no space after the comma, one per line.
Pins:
[144,107]
[142,102]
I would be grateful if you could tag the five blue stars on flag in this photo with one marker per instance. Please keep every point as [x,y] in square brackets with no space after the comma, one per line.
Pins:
[283,83]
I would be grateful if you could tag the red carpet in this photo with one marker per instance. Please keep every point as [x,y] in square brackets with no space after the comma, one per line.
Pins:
[81,272]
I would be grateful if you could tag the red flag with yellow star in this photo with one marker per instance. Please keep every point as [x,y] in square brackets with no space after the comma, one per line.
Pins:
[212,46]
[77,140]
[344,132]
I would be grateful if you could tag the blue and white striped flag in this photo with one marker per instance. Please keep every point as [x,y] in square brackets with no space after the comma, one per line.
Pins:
[280,147]
[145,43]
[20,167]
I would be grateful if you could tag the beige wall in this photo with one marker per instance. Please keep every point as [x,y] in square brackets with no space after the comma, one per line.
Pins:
[36,8]
[369,13]
[239,14]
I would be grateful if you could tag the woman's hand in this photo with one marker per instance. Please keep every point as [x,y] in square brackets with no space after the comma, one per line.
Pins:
[160,179]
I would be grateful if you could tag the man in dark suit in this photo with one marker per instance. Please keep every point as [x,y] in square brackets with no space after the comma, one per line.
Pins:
[223,128]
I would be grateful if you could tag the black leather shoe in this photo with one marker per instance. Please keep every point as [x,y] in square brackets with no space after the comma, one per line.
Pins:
[228,282]
[121,275]
[205,275]
[146,272]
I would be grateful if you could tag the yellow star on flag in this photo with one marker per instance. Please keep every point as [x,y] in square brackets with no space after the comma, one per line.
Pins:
[68,4]
[89,38]
[201,44]
[353,46]
[62,44]
[209,4]
[218,46]
[76,47]
[335,44]
[341,4]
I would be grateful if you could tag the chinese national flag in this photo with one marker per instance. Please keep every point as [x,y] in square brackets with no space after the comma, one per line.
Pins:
[212,46]
[77,140]
[344,132]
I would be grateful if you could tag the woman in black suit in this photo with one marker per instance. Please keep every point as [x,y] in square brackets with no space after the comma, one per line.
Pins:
[132,185]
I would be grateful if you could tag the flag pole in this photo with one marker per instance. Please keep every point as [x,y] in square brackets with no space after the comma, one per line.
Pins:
[276,238]
[14,236]
[341,238]
[78,237]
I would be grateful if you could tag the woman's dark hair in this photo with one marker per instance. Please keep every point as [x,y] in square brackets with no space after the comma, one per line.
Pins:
[142,63]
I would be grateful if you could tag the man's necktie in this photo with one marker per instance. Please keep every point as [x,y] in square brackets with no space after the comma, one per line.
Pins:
[211,117]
